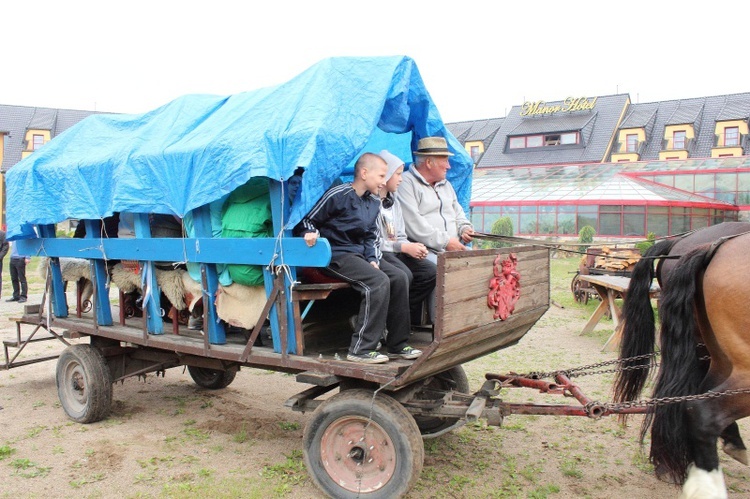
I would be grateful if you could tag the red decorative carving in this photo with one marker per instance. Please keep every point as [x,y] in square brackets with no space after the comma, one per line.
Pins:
[505,286]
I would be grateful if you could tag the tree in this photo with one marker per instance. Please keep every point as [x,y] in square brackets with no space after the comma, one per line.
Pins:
[644,245]
[503,226]
[586,236]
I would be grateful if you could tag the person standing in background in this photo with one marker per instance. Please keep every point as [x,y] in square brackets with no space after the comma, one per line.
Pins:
[4,246]
[18,275]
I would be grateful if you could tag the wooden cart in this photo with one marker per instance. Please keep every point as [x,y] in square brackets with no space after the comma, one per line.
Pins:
[602,261]
[380,414]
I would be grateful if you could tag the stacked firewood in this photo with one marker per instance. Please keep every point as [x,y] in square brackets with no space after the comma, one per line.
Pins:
[617,259]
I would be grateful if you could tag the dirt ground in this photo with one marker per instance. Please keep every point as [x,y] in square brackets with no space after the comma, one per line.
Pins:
[168,438]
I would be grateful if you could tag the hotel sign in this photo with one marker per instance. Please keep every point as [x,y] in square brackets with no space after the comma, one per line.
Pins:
[569,105]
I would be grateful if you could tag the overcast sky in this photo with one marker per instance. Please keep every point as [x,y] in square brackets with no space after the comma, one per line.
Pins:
[477,61]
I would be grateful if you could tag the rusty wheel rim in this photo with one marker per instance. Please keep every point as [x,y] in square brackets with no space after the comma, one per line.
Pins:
[358,456]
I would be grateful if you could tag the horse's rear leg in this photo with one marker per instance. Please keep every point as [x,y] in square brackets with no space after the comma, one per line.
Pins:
[702,484]
[706,421]
[732,444]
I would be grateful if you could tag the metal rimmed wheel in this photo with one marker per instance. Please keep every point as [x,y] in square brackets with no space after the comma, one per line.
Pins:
[357,446]
[580,294]
[434,389]
[84,383]
[213,379]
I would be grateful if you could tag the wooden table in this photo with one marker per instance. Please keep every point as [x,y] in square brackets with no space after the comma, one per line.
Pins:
[609,288]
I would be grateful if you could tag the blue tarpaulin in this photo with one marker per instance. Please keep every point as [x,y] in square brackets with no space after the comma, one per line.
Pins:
[198,148]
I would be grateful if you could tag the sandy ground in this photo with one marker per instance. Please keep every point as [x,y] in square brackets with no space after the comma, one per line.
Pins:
[168,438]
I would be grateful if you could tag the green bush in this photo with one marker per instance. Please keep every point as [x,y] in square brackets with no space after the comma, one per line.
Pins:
[503,226]
[586,236]
[645,245]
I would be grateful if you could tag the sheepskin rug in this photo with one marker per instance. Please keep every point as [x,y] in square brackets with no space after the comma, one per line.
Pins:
[72,270]
[240,305]
[170,282]
[236,304]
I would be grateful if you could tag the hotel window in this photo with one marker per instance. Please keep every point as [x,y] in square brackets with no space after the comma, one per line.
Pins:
[732,136]
[678,140]
[631,142]
[569,138]
[474,153]
[38,142]
[552,139]
[535,141]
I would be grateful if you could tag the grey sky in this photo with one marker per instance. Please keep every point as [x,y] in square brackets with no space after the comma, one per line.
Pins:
[477,61]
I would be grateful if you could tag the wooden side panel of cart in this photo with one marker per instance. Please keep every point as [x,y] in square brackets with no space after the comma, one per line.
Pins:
[465,328]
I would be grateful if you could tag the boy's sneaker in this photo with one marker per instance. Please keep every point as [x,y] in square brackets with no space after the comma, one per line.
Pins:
[367,358]
[407,353]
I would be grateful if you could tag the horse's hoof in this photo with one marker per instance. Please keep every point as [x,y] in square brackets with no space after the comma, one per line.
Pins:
[735,452]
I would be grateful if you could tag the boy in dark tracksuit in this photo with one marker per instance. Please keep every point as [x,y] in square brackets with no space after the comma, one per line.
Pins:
[347,216]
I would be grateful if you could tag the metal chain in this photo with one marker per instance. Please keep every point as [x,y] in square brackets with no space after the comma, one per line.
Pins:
[611,406]
[581,371]
[614,407]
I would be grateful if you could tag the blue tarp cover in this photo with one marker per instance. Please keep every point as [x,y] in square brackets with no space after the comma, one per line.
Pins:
[198,148]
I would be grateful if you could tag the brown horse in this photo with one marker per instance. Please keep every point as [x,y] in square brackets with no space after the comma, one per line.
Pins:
[702,314]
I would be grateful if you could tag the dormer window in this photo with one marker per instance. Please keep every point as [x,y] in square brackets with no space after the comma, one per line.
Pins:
[631,142]
[679,139]
[731,136]
[551,139]
[38,142]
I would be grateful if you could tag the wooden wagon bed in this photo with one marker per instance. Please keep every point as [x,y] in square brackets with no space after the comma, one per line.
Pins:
[464,330]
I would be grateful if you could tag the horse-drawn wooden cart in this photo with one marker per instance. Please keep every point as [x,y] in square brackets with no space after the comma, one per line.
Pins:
[365,440]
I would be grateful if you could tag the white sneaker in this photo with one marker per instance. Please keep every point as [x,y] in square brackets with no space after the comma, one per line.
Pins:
[368,358]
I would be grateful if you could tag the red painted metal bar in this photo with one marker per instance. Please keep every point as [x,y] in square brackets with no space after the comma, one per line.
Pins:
[564,386]
[522,382]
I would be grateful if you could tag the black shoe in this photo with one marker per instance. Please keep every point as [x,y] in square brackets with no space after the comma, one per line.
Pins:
[21,300]
[12,299]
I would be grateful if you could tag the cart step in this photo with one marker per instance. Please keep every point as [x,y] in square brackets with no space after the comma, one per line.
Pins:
[16,344]
[27,362]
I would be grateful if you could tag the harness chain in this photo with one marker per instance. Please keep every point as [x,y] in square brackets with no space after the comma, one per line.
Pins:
[614,407]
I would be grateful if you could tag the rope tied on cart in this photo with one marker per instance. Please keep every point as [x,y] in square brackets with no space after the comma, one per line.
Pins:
[567,246]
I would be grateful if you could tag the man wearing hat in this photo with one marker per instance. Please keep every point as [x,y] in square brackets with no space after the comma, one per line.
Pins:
[432,213]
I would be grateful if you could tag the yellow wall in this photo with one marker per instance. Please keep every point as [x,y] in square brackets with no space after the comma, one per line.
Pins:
[669,131]
[624,156]
[29,138]
[621,154]
[718,152]
[622,137]
[723,125]
[676,154]
[474,143]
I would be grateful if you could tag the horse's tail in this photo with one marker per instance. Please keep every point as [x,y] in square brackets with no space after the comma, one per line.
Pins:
[639,331]
[679,374]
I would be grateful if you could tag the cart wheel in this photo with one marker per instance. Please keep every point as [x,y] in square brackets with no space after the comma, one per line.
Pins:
[357,446]
[434,389]
[213,379]
[579,294]
[84,383]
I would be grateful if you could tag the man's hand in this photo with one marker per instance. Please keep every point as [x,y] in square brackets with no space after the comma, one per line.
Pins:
[467,235]
[311,238]
[415,250]
[455,245]
[375,264]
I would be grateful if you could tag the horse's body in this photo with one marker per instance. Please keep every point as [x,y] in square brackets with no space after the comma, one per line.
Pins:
[702,312]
